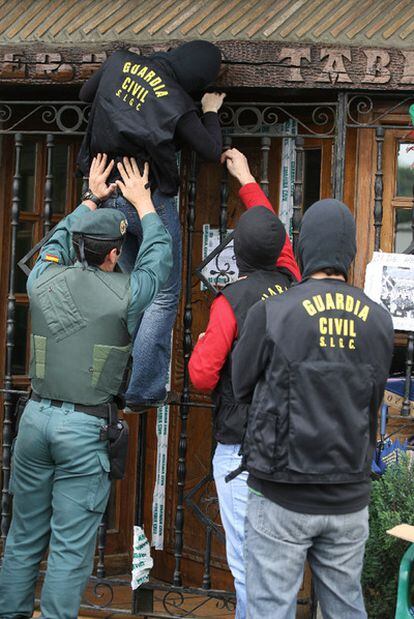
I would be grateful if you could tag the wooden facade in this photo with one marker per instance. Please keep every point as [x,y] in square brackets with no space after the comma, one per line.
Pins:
[350,103]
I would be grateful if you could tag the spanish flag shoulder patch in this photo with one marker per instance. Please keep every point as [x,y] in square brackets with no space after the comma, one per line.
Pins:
[51,258]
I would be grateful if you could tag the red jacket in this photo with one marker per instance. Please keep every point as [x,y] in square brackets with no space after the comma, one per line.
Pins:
[211,351]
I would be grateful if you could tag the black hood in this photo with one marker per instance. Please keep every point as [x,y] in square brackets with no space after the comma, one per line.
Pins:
[195,65]
[327,238]
[258,240]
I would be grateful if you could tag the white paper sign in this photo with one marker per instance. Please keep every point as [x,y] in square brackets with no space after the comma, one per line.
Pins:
[222,269]
[158,500]
[141,561]
[389,280]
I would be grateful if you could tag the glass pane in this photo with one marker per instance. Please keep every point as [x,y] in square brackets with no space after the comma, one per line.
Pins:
[27,171]
[405,169]
[60,177]
[312,177]
[24,243]
[20,342]
[403,231]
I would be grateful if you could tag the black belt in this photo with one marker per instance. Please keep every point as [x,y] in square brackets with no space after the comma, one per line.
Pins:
[101,410]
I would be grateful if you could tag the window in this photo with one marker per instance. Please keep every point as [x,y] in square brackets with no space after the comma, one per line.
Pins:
[405,169]
[312,176]
[65,197]
[403,199]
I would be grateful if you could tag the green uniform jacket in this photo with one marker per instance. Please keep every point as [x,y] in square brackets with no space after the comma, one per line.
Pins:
[83,319]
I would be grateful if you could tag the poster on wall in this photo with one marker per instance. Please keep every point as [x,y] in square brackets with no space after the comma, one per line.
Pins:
[389,280]
[222,269]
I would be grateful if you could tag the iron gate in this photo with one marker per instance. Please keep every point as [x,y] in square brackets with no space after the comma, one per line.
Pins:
[264,121]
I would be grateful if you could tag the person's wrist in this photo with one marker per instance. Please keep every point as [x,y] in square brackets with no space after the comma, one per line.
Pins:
[246,179]
[208,109]
[146,211]
[91,205]
[92,194]
[99,194]
[144,204]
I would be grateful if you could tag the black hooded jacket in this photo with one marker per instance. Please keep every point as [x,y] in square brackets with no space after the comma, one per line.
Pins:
[313,364]
[258,240]
[141,108]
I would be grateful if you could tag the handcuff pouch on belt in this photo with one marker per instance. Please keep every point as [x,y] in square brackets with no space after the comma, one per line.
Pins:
[116,433]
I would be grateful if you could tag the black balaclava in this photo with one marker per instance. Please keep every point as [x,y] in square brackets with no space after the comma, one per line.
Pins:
[327,238]
[258,240]
[195,65]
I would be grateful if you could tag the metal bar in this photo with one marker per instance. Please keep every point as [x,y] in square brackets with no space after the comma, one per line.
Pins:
[207,560]
[379,188]
[47,208]
[15,391]
[224,193]
[139,509]
[340,140]
[187,347]
[54,121]
[83,104]
[405,410]
[100,567]
[85,184]
[264,164]
[298,190]
[40,132]
[10,339]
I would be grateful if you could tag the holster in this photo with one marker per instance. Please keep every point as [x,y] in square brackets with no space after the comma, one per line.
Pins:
[18,411]
[117,434]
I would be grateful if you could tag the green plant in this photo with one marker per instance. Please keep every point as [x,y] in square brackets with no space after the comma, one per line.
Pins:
[392,503]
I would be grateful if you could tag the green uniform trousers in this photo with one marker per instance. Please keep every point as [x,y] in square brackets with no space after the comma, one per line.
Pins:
[60,482]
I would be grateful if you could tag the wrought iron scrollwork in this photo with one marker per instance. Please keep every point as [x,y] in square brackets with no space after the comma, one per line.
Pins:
[5,112]
[316,119]
[176,604]
[363,111]
[359,108]
[103,595]
[55,117]
[222,272]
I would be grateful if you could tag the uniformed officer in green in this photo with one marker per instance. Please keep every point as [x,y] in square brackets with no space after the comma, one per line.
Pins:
[83,315]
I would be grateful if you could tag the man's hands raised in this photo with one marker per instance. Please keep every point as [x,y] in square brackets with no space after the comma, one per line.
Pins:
[134,186]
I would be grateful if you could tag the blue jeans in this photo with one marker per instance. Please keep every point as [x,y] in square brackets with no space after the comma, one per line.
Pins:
[278,541]
[232,498]
[60,481]
[152,344]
